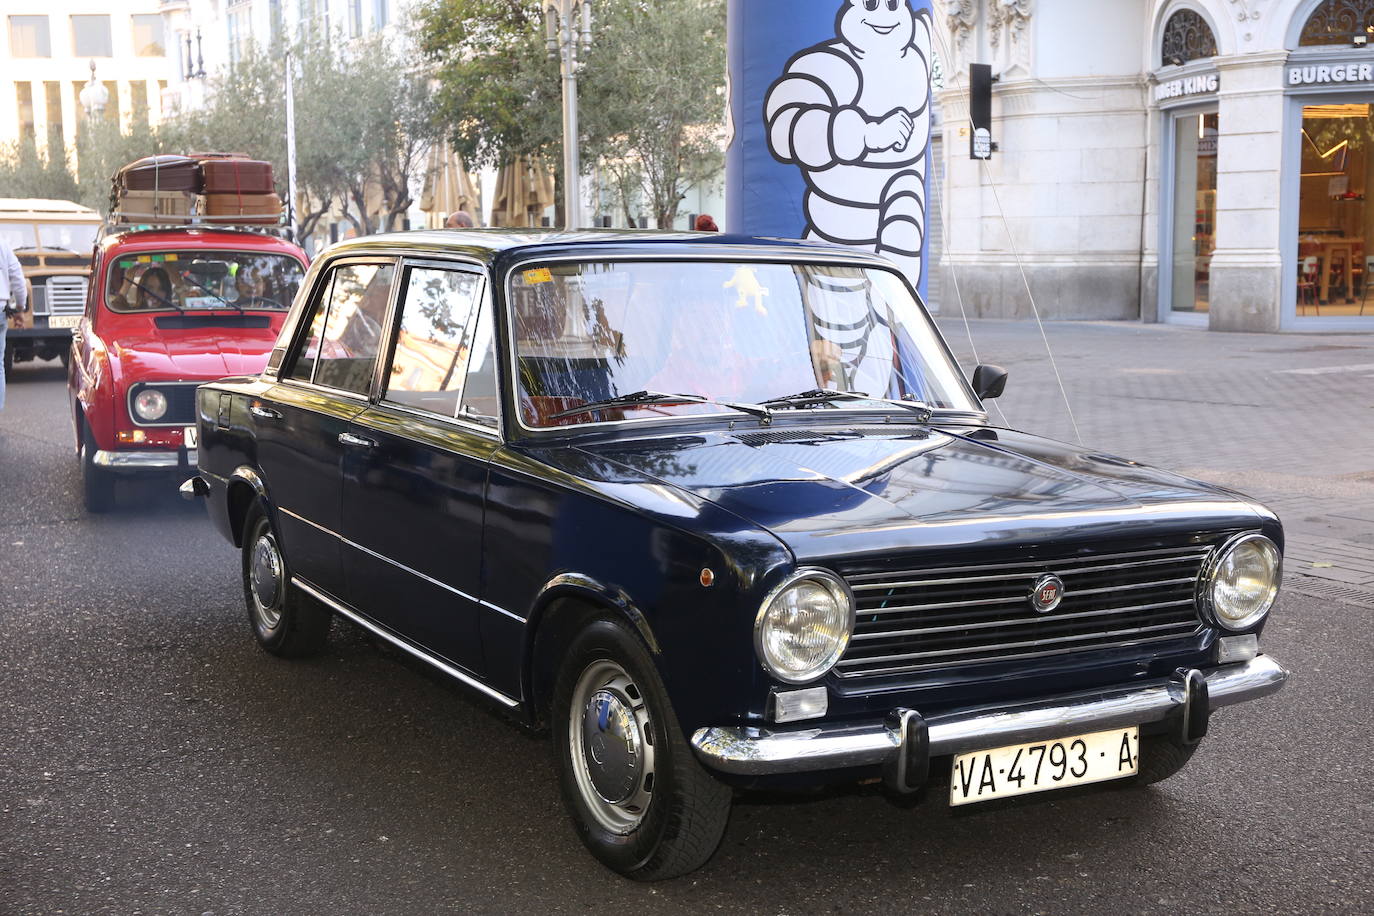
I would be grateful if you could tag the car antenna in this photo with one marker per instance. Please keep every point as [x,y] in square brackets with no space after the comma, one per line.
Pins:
[1016,253]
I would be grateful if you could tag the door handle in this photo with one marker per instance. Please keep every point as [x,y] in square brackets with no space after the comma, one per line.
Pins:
[264,413]
[357,441]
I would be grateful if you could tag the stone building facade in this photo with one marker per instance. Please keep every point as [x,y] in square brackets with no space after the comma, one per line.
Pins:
[1202,162]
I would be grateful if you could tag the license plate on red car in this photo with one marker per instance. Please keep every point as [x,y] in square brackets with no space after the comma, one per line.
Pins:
[190,436]
[1020,769]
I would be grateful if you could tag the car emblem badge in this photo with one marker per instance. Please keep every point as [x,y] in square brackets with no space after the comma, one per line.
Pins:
[1046,593]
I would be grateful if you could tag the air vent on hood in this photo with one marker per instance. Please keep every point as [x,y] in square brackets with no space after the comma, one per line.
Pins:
[770,436]
[190,322]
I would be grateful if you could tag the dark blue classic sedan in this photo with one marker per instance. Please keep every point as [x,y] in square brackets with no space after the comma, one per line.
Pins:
[722,512]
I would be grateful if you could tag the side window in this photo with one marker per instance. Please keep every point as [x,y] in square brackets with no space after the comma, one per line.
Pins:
[303,369]
[434,339]
[481,396]
[353,331]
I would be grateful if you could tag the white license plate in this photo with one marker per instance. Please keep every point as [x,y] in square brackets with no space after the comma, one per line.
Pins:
[190,436]
[1021,769]
[63,321]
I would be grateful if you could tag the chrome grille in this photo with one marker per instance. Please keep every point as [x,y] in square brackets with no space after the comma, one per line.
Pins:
[911,620]
[66,295]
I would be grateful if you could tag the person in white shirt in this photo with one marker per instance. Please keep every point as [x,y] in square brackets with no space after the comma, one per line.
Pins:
[14,298]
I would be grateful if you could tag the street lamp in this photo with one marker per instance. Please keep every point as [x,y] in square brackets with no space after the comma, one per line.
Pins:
[568,34]
[94,97]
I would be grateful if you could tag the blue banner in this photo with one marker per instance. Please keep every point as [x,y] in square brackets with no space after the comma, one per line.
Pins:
[830,109]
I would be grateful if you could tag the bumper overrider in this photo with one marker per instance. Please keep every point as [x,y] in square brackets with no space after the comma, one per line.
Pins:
[904,742]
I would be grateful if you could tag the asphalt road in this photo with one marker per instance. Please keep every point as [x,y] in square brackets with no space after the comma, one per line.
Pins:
[153,760]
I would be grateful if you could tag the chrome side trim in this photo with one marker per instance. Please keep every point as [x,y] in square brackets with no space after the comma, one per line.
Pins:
[399,643]
[756,751]
[141,460]
[414,572]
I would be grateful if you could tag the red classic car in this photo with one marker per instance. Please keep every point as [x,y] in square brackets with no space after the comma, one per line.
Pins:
[168,309]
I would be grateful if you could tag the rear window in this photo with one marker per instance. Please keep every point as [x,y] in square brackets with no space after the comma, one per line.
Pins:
[201,280]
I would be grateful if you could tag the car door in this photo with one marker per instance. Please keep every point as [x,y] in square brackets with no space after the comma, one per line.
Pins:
[415,471]
[302,421]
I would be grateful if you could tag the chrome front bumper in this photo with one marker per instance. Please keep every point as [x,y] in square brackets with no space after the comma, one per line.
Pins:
[145,460]
[757,751]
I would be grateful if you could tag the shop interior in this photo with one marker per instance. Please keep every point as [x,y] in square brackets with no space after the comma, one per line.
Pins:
[1334,263]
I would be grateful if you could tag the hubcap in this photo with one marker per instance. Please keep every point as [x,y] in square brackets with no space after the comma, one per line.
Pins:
[264,578]
[610,738]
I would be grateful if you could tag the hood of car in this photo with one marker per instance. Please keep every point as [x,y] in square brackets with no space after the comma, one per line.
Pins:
[854,492]
[189,355]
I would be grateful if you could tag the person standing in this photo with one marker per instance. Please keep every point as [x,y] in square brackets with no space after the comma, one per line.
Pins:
[14,297]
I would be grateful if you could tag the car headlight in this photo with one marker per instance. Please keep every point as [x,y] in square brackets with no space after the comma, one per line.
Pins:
[1241,581]
[804,625]
[150,404]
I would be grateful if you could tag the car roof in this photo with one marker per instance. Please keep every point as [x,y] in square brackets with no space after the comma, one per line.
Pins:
[43,209]
[208,239]
[503,245]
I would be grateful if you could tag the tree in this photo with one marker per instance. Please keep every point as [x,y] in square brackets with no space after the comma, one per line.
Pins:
[26,172]
[651,91]
[654,94]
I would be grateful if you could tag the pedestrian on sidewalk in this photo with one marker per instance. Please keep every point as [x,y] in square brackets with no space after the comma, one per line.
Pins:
[14,298]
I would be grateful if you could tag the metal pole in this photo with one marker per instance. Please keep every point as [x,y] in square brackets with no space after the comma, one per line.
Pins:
[291,150]
[572,171]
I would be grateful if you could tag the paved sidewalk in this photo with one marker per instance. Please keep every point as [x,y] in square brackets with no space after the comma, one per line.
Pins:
[1286,418]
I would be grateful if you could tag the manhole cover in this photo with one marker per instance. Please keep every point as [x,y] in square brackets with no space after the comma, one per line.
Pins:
[1321,588]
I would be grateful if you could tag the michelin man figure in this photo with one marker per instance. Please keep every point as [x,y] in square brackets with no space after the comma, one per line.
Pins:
[853,114]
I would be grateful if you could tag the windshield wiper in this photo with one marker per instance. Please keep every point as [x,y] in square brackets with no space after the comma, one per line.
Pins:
[820,396]
[639,398]
[174,305]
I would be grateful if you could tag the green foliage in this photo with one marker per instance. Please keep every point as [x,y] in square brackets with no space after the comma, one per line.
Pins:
[651,92]
[26,172]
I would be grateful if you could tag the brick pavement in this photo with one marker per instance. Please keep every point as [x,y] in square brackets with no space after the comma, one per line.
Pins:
[1286,418]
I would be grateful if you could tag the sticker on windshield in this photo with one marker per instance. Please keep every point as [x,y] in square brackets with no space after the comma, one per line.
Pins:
[538,275]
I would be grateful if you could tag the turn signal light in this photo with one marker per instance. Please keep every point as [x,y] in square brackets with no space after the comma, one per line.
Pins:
[131,435]
[794,705]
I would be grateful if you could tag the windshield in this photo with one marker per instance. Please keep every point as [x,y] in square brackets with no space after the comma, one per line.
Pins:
[743,332]
[20,236]
[78,238]
[171,280]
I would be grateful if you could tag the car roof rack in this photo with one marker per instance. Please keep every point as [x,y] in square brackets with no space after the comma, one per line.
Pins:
[121,221]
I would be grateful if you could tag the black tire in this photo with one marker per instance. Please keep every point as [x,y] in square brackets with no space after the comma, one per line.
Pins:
[684,811]
[9,360]
[1161,756]
[284,622]
[97,484]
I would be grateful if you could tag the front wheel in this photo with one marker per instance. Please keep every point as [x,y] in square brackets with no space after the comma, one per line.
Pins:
[641,802]
[285,623]
[97,484]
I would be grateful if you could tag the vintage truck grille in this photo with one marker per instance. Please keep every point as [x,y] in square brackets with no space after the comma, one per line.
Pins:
[66,295]
[910,620]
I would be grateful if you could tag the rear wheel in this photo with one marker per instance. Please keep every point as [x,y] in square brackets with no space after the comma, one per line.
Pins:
[9,361]
[97,484]
[639,799]
[284,621]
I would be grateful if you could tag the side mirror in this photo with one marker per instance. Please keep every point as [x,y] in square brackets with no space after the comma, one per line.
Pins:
[989,382]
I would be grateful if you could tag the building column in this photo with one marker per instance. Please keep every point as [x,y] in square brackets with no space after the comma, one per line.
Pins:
[1247,265]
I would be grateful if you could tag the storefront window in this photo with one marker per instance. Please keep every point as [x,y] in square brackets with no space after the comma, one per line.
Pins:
[1195,211]
[1333,220]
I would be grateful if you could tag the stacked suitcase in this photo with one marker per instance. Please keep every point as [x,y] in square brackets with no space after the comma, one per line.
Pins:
[198,187]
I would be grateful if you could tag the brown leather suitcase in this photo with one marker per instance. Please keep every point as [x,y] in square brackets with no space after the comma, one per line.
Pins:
[237,176]
[160,173]
[243,208]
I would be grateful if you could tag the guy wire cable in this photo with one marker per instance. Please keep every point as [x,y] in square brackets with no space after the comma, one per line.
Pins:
[1035,309]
